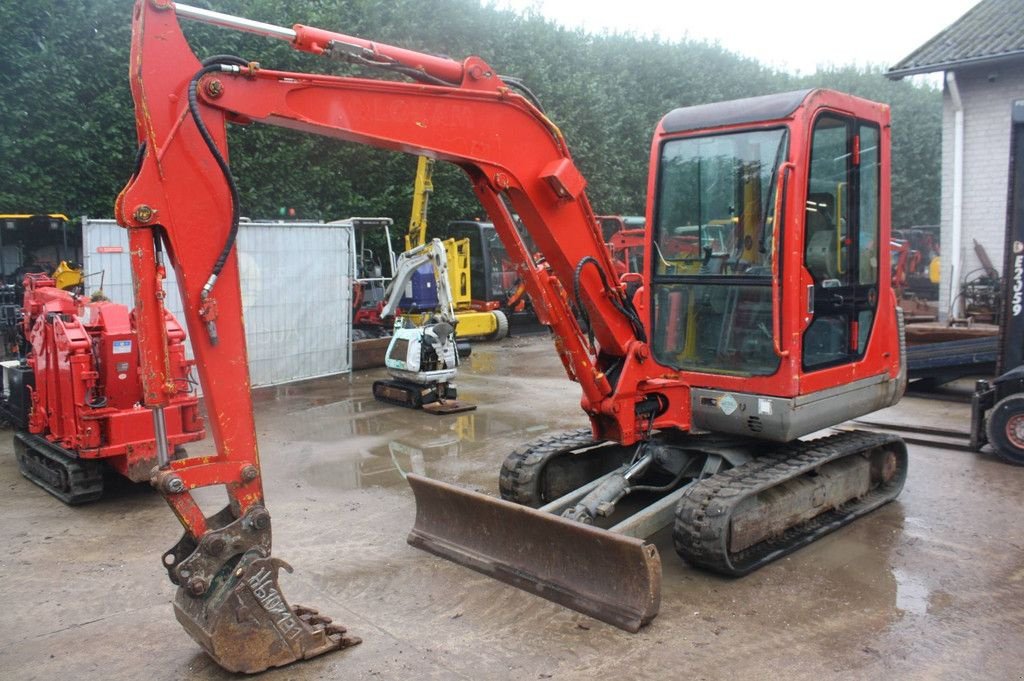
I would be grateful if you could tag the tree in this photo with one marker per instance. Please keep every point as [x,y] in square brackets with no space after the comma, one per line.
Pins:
[67,139]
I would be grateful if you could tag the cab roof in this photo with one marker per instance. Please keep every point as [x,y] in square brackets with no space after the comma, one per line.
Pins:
[734,112]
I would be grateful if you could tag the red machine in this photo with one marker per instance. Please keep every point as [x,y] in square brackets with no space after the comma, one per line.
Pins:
[763,317]
[906,261]
[625,240]
[76,399]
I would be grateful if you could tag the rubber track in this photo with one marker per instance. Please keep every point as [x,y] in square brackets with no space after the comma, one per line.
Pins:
[84,478]
[414,401]
[519,477]
[703,516]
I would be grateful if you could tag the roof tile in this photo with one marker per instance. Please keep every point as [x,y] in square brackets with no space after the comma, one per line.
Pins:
[992,29]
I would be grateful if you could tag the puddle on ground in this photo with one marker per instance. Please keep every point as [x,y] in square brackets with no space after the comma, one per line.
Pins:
[464,448]
[912,594]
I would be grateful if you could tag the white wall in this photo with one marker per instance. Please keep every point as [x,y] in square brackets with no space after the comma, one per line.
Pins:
[296,281]
[987,94]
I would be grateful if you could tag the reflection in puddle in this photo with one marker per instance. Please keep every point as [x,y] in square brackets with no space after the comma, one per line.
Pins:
[425,445]
[911,593]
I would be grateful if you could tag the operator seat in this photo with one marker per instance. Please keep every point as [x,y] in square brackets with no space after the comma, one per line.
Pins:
[820,253]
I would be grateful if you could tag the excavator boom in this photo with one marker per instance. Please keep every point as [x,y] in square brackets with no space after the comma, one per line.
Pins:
[423,187]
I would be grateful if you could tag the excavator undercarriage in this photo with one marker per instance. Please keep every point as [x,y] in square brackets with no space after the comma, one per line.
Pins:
[575,512]
[57,470]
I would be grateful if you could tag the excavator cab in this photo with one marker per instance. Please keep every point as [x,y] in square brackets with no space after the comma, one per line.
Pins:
[782,314]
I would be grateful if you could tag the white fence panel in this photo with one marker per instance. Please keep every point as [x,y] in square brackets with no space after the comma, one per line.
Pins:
[296,281]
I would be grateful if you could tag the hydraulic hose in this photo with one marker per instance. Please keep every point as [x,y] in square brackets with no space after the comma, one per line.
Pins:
[625,307]
[518,84]
[140,156]
[217,63]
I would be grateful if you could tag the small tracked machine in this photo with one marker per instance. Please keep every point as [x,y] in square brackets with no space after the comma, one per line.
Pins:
[764,314]
[75,400]
[423,355]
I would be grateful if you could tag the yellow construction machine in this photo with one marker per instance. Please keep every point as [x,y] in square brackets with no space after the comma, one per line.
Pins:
[479,325]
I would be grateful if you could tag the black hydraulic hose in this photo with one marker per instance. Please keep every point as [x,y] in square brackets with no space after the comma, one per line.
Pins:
[625,306]
[413,73]
[518,84]
[657,488]
[580,307]
[211,65]
[224,59]
[391,65]
[374,61]
[140,156]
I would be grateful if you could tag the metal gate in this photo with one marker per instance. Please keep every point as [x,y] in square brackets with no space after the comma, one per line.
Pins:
[296,293]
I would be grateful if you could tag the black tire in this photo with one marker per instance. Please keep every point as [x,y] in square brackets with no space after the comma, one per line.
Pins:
[1005,429]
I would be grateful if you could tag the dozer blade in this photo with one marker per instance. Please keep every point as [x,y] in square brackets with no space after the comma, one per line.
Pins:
[448,407]
[611,577]
[245,624]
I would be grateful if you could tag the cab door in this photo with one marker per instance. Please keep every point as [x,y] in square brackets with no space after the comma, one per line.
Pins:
[841,240]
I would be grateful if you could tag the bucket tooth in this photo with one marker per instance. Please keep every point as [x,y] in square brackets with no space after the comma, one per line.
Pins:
[245,624]
[608,576]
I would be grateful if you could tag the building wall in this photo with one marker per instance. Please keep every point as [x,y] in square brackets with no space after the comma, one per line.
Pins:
[987,94]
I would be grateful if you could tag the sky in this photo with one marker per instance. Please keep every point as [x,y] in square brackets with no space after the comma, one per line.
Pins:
[795,36]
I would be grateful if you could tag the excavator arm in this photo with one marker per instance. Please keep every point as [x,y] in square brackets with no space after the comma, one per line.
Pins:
[423,187]
[516,159]
[432,252]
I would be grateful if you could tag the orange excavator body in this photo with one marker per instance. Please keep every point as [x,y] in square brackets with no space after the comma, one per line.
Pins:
[763,316]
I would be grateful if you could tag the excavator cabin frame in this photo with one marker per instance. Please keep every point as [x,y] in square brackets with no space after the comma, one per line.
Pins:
[636,357]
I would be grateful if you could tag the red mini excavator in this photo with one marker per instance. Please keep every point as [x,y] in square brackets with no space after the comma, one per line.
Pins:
[75,399]
[765,313]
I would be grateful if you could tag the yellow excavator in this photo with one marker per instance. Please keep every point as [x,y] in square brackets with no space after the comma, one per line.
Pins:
[486,325]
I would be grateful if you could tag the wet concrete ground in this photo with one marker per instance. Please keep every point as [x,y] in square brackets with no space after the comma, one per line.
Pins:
[928,587]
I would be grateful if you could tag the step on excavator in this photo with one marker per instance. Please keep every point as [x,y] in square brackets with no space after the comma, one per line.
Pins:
[764,316]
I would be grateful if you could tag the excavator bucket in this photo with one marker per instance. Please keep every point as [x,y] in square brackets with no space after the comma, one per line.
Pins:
[246,625]
[230,602]
[611,577]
